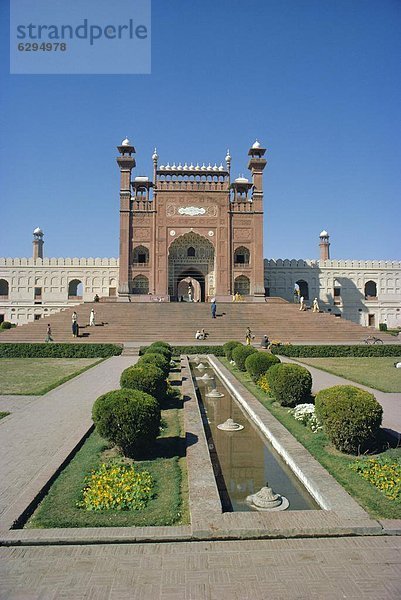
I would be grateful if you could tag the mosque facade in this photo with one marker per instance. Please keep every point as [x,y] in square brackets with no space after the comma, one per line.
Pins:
[192,233]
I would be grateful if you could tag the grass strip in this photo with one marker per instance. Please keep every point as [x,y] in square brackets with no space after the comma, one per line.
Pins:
[37,376]
[335,462]
[377,373]
[165,462]
[4,414]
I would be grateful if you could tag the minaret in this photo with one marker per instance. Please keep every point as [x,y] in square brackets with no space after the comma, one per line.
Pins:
[126,162]
[37,243]
[324,245]
[155,158]
[256,165]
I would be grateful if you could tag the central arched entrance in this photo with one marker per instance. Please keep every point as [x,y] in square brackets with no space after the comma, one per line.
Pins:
[191,268]
[191,286]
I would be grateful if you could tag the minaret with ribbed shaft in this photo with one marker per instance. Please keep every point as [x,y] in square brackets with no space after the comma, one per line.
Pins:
[37,243]
[256,165]
[324,245]
[126,163]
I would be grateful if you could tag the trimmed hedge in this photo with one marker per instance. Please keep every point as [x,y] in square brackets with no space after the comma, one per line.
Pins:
[128,418]
[240,354]
[159,360]
[228,348]
[178,350]
[8,350]
[290,384]
[333,351]
[161,343]
[6,325]
[258,363]
[351,417]
[145,378]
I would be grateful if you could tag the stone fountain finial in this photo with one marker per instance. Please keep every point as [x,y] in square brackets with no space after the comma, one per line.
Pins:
[265,499]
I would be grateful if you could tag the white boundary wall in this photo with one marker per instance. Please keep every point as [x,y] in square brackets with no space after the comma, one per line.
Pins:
[322,276]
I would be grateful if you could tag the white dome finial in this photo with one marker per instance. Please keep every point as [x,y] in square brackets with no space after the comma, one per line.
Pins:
[125,142]
[256,145]
[155,156]
[37,231]
[324,233]
[228,156]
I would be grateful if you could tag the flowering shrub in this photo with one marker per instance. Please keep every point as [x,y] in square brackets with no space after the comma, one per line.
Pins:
[306,414]
[116,487]
[383,473]
[264,384]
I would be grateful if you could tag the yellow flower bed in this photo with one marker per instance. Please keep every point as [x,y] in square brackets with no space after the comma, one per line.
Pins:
[263,384]
[116,487]
[383,473]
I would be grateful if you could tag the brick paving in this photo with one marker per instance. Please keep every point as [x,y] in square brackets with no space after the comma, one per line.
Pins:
[390,402]
[37,438]
[321,569]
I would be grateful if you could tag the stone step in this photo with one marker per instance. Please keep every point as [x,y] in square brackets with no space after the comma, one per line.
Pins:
[177,322]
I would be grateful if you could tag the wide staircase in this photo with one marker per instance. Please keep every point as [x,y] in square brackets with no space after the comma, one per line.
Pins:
[177,323]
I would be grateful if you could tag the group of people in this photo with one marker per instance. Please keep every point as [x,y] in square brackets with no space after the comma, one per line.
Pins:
[237,297]
[74,325]
[315,304]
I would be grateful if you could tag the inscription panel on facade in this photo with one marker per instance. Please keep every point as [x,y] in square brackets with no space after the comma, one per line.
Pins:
[142,234]
[190,210]
[242,235]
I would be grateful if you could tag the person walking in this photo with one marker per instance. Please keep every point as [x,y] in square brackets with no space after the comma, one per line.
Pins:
[92,318]
[49,334]
[315,306]
[302,303]
[265,342]
[249,336]
[214,308]
[74,324]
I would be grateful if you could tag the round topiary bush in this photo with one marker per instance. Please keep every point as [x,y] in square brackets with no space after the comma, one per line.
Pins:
[290,384]
[159,349]
[240,354]
[6,325]
[146,378]
[351,416]
[128,418]
[258,363]
[228,348]
[159,360]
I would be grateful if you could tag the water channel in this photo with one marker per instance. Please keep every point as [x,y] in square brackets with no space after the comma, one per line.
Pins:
[244,460]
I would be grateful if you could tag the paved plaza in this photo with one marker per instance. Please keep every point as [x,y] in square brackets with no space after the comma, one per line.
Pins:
[321,569]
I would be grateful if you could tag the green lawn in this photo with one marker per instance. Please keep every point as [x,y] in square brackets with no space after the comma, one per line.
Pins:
[166,463]
[377,373]
[336,463]
[36,376]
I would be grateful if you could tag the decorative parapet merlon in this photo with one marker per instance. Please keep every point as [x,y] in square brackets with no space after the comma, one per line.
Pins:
[333,264]
[59,262]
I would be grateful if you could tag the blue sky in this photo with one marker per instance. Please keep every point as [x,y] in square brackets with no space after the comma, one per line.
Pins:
[317,81]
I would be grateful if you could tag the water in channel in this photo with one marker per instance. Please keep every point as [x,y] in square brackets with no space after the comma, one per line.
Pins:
[243,461]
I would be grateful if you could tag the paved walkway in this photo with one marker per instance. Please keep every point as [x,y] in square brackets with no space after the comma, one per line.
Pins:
[310,569]
[39,436]
[11,403]
[390,402]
